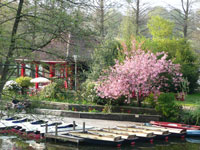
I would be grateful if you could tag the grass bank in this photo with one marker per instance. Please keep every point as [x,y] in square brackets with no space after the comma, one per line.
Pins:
[190,100]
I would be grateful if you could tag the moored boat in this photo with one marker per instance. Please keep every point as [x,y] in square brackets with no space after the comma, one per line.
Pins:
[141,135]
[193,140]
[90,138]
[171,130]
[32,129]
[156,132]
[128,139]
[191,130]
[6,126]
[175,125]
[174,132]
[159,134]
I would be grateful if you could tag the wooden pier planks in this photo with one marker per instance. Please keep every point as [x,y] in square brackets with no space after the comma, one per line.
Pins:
[64,138]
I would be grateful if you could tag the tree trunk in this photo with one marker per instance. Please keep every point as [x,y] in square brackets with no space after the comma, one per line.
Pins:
[11,47]
[139,103]
[138,99]
[137,17]
[186,16]
[185,29]
[1,67]
[102,18]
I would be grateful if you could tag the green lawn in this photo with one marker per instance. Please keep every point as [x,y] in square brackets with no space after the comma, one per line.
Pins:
[191,100]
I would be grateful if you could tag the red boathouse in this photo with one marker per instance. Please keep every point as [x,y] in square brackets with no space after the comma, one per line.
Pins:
[59,59]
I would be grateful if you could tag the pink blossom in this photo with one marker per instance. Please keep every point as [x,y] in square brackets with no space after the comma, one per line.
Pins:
[139,74]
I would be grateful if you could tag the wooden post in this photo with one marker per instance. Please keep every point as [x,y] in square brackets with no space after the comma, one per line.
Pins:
[51,70]
[66,76]
[83,127]
[71,76]
[36,76]
[74,125]
[22,70]
[46,129]
[56,130]
[75,72]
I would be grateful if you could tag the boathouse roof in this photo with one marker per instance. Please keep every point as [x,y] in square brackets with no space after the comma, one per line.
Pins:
[63,49]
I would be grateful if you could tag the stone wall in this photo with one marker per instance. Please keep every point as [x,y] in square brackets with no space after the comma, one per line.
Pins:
[103,116]
[86,108]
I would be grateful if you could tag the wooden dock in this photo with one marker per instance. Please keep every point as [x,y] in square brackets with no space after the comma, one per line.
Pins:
[63,138]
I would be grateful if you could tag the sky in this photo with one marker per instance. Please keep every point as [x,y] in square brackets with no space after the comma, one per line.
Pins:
[166,3]
[174,3]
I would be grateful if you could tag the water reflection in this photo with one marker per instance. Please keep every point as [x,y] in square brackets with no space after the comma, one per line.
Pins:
[13,143]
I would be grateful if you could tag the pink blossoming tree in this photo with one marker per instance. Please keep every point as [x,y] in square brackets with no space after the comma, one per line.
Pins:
[138,75]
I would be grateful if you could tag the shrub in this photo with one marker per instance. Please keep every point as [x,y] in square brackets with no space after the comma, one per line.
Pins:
[190,71]
[12,86]
[48,91]
[167,107]
[59,83]
[88,92]
[25,83]
[11,89]
[192,116]
[150,100]
[56,91]
[107,108]
[123,100]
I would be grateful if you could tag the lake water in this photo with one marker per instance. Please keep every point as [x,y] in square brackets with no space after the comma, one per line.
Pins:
[13,143]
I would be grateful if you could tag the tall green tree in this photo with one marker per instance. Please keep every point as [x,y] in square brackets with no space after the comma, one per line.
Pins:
[104,57]
[178,49]
[196,34]
[160,28]
[127,29]
[11,46]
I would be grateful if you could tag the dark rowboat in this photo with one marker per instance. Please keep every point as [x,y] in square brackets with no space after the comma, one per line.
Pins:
[89,138]
[141,135]
[159,134]
[128,139]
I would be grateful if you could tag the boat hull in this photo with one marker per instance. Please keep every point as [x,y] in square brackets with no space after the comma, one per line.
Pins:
[193,133]
[193,140]
[102,142]
[191,130]
[128,142]
[177,135]
[175,125]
